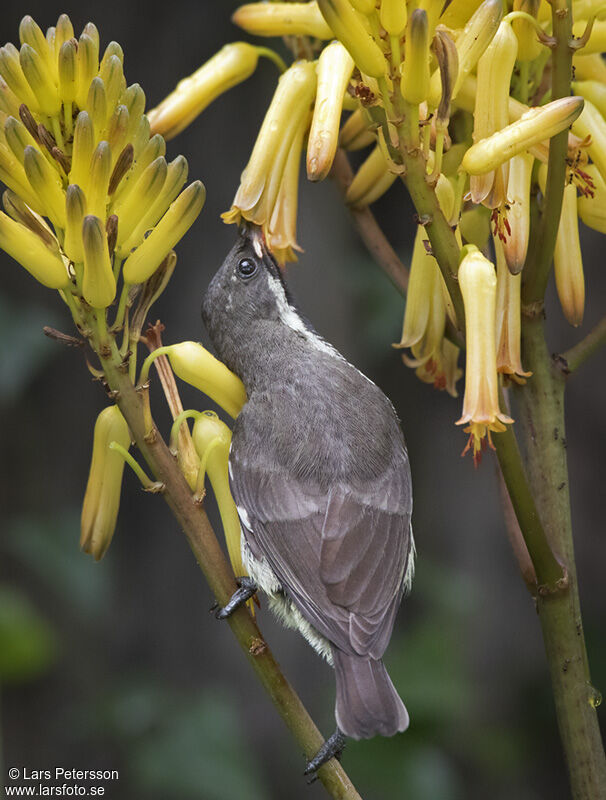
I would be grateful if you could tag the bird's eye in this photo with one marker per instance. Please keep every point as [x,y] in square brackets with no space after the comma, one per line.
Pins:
[247,268]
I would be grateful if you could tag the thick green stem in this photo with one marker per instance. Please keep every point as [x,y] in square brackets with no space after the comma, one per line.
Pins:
[203,542]
[540,252]
[540,414]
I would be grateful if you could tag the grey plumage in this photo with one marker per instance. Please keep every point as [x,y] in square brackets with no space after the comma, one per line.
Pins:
[320,475]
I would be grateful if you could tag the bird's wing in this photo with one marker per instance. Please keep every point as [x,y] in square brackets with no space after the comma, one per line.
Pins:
[341,557]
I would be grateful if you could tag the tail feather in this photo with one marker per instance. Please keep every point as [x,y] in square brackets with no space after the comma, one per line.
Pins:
[367,702]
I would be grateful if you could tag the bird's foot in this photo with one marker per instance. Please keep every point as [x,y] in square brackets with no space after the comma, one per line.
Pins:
[332,748]
[246,589]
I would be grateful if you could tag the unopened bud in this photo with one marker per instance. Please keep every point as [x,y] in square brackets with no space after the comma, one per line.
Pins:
[10,70]
[117,131]
[26,247]
[415,69]
[179,218]
[18,137]
[155,148]
[87,68]
[591,125]
[134,101]
[75,210]
[335,66]
[475,226]
[518,215]
[18,210]
[195,365]
[282,19]
[113,79]
[67,72]
[99,284]
[40,79]
[508,319]
[46,183]
[371,181]
[96,105]
[96,188]
[349,30]
[594,91]
[139,200]
[592,207]
[102,496]
[64,31]
[534,126]
[230,66]
[31,34]
[529,47]
[354,134]
[393,16]
[82,151]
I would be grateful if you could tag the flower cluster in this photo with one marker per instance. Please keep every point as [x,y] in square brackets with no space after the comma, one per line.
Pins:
[464,90]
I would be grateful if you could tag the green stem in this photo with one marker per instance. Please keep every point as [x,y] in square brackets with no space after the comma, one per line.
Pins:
[540,414]
[272,56]
[132,462]
[540,251]
[572,359]
[209,555]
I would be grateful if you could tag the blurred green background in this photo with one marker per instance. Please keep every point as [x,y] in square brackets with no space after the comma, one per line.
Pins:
[119,665]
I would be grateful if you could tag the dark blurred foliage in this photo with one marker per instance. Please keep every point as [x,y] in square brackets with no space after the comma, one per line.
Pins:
[119,664]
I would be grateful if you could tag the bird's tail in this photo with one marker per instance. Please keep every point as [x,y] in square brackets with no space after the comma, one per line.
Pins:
[367,702]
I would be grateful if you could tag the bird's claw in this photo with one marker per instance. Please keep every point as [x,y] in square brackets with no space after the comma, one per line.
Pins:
[332,748]
[246,589]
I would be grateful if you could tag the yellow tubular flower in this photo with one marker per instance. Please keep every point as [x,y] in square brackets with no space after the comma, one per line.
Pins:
[82,153]
[508,319]
[40,80]
[102,496]
[529,46]
[414,84]
[282,19]
[260,180]
[96,188]
[481,411]
[75,208]
[471,43]
[18,210]
[458,12]
[475,226]
[492,109]
[534,126]
[67,71]
[593,125]
[568,260]
[335,66]
[45,183]
[393,15]
[212,440]
[179,218]
[142,197]
[11,71]
[518,215]
[350,31]
[99,284]
[233,64]
[592,207]
[594,91]
[371,181]
[87,67]
[281,235]
[354,134]
[589,68]
[195,365]
[40,260]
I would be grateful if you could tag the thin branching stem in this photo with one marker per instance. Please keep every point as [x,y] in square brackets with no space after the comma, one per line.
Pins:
[572,359]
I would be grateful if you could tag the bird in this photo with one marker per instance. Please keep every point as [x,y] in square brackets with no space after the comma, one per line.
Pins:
[320,475]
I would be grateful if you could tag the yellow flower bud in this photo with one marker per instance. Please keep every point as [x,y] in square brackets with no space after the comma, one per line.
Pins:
[87,67]
[393,15]
[568,260]
[231,65]
[589,68]
[594,91]
[117,131]
[481,411]
[82,151]
[195,365]
[39,77]
[518,215]
[64,31]
[371,181]
[13,175]
[41,260]
[18,137]
[113,79]
[154,149]
[365,7]
[458,12]
[18,210]
[134,101]
[67,72]
[9,103]
[414,84]
[75,210]
[139,200]
[534,126]
[492,107]
[350,31]
[179,218]
[288,111]
[592,207]
[354,134]
[96,188]
[212,440]
[335,66]
[46,183]
[529,47]
[593,125]
[471,43]
[102,496]
[31,34]
[508,319]
[96,105]
[99,284]
[176,175]
[475,226]
[10,69]
[282,19]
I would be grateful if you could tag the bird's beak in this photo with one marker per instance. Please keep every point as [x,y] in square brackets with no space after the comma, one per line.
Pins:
[254,234]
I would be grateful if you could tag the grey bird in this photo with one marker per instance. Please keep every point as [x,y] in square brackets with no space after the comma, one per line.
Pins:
[320,475]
